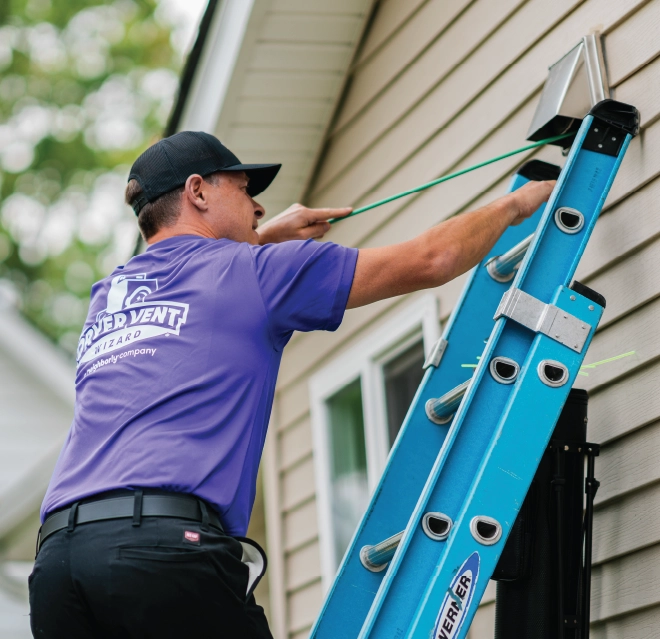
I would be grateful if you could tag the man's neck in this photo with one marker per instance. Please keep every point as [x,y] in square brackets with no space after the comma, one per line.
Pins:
[181,229]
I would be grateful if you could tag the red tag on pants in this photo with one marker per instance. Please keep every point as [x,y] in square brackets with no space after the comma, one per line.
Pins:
[191,537]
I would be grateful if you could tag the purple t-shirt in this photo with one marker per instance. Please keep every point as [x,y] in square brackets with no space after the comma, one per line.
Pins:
[177,365]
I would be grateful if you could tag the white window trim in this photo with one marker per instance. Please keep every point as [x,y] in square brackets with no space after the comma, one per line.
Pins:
[366,359]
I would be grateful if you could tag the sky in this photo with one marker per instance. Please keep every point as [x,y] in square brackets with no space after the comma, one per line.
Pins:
[184,15]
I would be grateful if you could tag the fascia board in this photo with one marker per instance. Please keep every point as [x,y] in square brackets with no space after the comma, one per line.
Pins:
[218,67]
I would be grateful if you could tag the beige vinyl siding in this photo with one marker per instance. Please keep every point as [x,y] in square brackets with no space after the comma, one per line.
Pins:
[295,442]
[375,73]
[257,531]
[302,607]
[391,17]
[298,484]
[439,85]
[299,526]
[638,625]
[641,506]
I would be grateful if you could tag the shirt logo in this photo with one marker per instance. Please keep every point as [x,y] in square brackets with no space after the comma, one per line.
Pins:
[129,317]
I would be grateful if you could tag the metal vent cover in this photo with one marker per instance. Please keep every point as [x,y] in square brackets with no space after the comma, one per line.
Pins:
[575,84]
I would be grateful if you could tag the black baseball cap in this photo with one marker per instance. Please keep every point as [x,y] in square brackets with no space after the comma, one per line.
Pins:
[166,165]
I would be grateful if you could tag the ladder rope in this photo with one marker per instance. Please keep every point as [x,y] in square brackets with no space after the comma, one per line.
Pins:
[450,176]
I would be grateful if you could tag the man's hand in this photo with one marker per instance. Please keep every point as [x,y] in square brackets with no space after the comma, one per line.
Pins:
[298,223]
[527,199]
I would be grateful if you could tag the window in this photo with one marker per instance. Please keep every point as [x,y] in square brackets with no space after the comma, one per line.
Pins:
[350,488]
[359,401]
[348,466]
[403,376]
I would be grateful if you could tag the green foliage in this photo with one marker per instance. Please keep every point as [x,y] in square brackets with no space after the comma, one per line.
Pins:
[85,86]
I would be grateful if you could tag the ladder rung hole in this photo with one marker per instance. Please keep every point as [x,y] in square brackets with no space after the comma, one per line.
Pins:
[552,373]
[569,220]
[437,526]
[485,530]
[504,370]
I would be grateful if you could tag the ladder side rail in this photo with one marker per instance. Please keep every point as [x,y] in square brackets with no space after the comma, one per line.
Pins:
[418,555]
[414,452]
[504,476]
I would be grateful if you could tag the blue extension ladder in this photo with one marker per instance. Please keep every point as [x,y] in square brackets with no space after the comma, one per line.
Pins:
[470,445]
[401,483]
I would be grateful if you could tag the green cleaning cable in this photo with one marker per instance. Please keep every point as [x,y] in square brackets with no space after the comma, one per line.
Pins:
[445,178]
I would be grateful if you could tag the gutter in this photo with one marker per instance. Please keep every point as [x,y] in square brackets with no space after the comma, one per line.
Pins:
[189,69]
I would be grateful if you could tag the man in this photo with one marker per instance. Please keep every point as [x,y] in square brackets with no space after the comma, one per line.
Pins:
[145,516]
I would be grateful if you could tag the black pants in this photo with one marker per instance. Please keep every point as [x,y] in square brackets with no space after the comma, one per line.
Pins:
[110,579]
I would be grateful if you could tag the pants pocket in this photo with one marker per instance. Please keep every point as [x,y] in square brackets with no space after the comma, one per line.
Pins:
[255,559]
[160,553]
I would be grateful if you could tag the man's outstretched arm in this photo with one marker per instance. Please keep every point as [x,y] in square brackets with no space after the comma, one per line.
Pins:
[443,252]
[299,223]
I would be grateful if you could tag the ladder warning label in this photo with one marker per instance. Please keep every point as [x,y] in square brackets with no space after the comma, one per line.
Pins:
[458,599]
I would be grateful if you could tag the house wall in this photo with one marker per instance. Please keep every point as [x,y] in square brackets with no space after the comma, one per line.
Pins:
[442,84]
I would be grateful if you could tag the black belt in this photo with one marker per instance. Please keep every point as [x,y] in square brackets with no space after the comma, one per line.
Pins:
[182,506]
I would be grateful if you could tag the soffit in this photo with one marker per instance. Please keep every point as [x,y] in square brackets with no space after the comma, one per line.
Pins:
[286,76]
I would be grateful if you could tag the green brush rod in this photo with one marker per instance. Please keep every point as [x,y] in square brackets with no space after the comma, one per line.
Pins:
[450,176]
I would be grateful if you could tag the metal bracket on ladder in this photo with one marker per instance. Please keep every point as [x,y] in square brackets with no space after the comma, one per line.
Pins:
[436,354]
[543,318]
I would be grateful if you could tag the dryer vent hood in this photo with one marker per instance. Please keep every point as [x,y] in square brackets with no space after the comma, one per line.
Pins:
[575,84]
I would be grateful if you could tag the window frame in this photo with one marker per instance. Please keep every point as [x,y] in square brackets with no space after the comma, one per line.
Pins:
[365,360]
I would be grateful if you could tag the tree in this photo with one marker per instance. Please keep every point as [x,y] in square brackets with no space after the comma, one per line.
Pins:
[84,88]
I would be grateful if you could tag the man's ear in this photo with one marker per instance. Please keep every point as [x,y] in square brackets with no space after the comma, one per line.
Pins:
[194,192]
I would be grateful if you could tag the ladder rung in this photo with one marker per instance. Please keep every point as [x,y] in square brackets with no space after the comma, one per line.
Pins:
[503,267]
[440,410]
[376,558]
